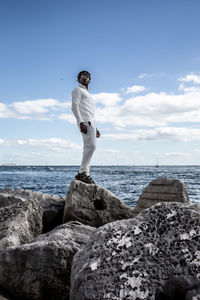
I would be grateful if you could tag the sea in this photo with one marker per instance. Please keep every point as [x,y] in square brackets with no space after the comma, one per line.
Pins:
[126,182]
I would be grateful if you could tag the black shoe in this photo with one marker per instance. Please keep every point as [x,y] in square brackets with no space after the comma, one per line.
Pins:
[90,178]
[84,178]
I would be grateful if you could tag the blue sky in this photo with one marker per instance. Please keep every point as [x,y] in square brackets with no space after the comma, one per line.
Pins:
[144,58]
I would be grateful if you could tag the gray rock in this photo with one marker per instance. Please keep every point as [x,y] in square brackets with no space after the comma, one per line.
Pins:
[7,199]
[182,287]
[3,298]
[128,259]
[20,223]
[196,207]
[93,205]
[41,269]
[162,190]
[52,205]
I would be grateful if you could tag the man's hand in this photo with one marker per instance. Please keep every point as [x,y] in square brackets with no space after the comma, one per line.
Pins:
[97,133]
[83,127]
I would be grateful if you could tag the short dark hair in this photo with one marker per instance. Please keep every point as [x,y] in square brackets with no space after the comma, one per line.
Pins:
[82,72]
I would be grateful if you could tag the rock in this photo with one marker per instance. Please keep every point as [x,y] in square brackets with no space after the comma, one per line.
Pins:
[20,223]
[181,287]
[7,200]
[3,298]
[128,259]
[41,269]
[52,205]
[196,207]
[162,190]
[93,205]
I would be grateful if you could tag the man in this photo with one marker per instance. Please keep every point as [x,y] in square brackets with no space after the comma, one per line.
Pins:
[83,110]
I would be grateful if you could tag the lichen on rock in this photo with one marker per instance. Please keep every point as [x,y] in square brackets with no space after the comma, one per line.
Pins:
[128,259]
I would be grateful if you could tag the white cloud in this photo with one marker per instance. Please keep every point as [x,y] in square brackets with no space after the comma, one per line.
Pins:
[156,110]
[5,112]
[149,75]
[51,143]
[144,75]
[108,150]
[153,109]
[67,117]
[197,150]
[38,106]
[135,89]
[175,154]
[191,89]
[21,142]
[107,99]
[39,109]
[191,78]
[162,133]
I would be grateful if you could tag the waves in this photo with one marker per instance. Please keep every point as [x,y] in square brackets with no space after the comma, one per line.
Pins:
[127,182]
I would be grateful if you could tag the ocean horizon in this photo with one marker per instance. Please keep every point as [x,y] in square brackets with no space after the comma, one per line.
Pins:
[125,181]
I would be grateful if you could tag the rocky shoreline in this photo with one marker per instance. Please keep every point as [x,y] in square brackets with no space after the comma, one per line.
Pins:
[91,245]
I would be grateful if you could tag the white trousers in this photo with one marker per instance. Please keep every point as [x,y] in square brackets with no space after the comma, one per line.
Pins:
[89,146]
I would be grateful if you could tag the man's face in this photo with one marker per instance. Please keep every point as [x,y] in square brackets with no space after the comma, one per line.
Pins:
[84,79]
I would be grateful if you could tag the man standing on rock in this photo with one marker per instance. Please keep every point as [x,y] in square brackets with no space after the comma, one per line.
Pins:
[83,110]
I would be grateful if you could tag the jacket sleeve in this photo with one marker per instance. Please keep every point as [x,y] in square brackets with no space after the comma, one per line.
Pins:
[76,98]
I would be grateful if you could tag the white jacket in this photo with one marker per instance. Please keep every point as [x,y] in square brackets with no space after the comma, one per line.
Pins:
[82,104]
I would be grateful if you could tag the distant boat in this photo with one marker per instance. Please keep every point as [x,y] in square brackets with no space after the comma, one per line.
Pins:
[157,163]
[48,168]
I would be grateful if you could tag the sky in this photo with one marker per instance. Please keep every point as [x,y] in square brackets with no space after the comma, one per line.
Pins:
[144,60]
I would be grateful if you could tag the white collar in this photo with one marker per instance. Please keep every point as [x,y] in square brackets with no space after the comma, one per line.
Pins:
[82,85]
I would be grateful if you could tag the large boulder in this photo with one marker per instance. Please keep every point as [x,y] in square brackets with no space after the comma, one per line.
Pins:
[93,205]
[20,223]
[179,288]
[128,259]
[3,298]
[52,205]
[162,190]
[7,199]
[41,269]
